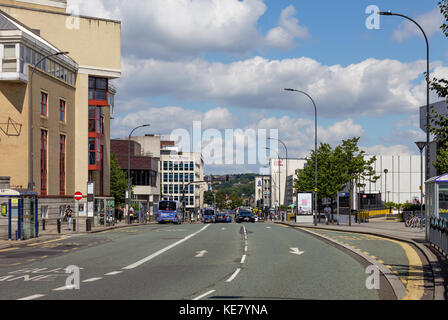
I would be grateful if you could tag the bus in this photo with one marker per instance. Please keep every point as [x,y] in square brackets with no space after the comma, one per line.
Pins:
[169,211]
[208,215]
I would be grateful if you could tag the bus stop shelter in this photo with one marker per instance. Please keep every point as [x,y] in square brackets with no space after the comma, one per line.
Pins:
[19,217]
[436,211]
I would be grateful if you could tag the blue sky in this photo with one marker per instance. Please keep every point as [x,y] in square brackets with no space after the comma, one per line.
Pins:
[225,63]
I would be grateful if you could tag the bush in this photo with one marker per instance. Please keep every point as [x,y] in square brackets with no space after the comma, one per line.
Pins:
[411,207]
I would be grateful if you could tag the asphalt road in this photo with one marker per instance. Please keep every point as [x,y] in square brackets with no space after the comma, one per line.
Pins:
[191,261]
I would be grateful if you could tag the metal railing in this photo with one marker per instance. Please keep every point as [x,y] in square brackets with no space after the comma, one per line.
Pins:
[438,234]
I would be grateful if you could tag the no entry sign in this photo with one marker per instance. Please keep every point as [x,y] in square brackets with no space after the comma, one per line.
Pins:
[78,196]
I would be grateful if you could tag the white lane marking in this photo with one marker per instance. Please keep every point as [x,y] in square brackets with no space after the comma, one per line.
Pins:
[243,258]
[204,295]
[245,249]
[200,254]
[223,228]
[233,276]
[296,251]
[268,227]
[64,288]
[36,296]
[113,273]
[152,256]
[92,279]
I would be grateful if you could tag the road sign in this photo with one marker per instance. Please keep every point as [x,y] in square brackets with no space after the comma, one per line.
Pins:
[78,196]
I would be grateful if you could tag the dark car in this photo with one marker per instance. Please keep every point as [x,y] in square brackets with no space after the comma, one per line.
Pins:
[244,216]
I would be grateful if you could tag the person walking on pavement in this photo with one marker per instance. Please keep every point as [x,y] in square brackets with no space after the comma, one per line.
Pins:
[68,214]
[327,212]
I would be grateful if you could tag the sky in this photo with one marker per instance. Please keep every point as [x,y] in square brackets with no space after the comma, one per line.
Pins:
[225,63]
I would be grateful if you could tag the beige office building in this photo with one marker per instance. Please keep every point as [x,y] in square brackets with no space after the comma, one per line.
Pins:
[72,98]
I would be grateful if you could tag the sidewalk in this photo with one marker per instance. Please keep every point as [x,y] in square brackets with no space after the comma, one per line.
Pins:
[51,233]
[378,226]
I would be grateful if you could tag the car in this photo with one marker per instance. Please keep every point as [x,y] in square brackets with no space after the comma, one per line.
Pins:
[244,215]
[220,217]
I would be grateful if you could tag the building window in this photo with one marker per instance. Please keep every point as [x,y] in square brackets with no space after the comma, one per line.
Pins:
[165,188]
[94,154]
[98,89]
[9,59]
[165,165]
[43,161]
[62,140]
[62,104]
[181,166]
[165,177]
[43,104]
[191,166]
[95,118]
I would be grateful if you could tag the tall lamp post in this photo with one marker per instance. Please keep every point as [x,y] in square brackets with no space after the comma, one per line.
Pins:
[278,159]
[129,171]
[315,151]
[30,122]
[385,185]
[421,146]
[427,86]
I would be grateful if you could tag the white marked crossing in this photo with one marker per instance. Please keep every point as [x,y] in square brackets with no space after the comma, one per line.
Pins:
[113,273]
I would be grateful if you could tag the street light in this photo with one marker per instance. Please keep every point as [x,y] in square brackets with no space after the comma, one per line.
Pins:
[385,184]
[30,122]
[315,150]
[278,159]
[421,146]
[129,170]
[286,149]
[427,85]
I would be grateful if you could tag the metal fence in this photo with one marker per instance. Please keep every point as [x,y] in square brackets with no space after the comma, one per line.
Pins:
[438,234]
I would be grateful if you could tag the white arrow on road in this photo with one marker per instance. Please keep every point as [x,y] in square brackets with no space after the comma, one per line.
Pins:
[296,251]
[200,254]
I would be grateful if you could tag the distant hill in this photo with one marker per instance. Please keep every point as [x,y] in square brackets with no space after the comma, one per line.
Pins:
[242,184]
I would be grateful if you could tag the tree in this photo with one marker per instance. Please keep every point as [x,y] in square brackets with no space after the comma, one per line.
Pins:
[118,182]
[209,198]
[235,201]
[221,200]
[439,126]
[337,167]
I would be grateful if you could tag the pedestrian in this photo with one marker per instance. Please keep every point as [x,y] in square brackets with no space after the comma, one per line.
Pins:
[327,212]
[68,215]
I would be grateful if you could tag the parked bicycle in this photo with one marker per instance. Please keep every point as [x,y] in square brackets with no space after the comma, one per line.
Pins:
[415,222]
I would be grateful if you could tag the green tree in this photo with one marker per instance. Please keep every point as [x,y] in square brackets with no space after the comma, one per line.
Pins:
[209,198]
[118,182]
[235,201]
[439,125]
[345,164]
[221,200]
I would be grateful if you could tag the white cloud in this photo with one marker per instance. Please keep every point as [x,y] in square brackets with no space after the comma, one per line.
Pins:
[369,88]
[181,28]
[430,22]
[396,150]
[283,37]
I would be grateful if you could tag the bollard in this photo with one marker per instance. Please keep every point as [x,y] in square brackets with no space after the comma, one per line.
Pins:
[59,225]
[43,224]
[74,224]
[88,225]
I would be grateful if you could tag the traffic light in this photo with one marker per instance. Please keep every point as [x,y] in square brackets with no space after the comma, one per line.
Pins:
[227,178]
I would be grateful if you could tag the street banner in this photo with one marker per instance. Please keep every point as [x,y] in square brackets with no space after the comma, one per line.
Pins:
[305,203]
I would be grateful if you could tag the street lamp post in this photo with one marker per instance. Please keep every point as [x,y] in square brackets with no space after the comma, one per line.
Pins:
[421,146]
[385,185]
[279,193]
[427,86]
[30,122]
[315,151]
[129,171]
[286,180]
